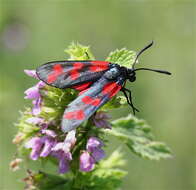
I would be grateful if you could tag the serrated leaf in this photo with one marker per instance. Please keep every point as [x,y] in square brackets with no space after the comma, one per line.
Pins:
[77,51]
[136,134]
[151,150]
[122,57]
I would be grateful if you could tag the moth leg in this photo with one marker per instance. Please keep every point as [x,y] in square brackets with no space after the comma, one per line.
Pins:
[129,99]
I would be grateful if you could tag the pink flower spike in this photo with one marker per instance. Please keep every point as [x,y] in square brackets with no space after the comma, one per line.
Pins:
[87,163]
[31,73]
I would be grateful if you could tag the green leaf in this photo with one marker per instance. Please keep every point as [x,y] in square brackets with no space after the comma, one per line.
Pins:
[44,181]
[122,57]
[152,150]
[136,134]
[115,102]
[77,51]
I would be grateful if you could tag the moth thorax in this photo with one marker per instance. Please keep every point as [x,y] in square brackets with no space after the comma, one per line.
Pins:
[112,73]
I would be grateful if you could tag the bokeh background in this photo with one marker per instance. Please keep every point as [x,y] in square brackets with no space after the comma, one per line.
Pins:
[34,32]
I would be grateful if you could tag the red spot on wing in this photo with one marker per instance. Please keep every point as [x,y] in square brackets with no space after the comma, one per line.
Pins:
[111,89]
[56,71]
[82,87]
[74,74]
[51,78]
[78,65]
[78,115]
[91,101]
[98,66]
[100,62]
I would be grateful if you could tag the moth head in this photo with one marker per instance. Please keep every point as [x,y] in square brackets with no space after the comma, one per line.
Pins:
[131,75]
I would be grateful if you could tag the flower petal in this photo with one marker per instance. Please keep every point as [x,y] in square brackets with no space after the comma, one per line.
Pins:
[98,154]
[32,93]
[31,73]
[94,142]
[101,120]
[63,166]
[87,163]
[37,106]
[48,144]
[49,132]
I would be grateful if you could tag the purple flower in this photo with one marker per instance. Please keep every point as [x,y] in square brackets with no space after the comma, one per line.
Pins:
[101,120]
[41,146]
[93,154]
[93,143]
[36,144]
[87,163]
[61,152]
[37,106]
[98,154]
[33,92]
[70,139]
[49,132]
[94,146]
[64,159]
[31,73]
[63,166]
[67,144]
[48,144]
[61,147]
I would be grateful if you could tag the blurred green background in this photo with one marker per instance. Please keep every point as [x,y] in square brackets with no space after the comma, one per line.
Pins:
[34,32]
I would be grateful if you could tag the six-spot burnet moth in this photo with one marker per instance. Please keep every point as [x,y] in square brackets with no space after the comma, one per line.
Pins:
[97,81]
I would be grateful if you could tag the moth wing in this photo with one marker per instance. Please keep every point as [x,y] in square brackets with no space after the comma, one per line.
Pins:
[72,74]
[89,102]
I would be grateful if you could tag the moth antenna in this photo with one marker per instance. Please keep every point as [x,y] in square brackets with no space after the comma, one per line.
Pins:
[140,52]
[154,70]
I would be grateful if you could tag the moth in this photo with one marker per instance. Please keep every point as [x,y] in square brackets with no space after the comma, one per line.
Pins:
[97,81]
